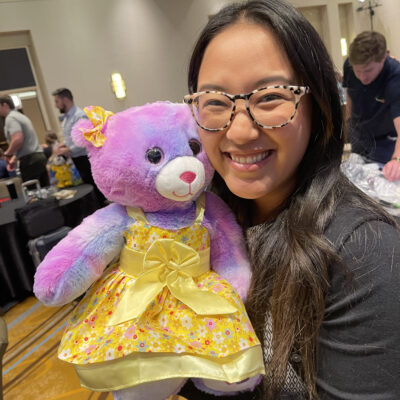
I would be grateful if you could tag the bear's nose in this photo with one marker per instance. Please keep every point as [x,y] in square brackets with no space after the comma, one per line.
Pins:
[188,176]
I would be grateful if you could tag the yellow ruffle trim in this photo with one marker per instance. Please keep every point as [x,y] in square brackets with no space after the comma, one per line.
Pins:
[150,367]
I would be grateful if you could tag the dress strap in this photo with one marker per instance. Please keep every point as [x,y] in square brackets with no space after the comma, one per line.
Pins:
[136,213]
[200,207]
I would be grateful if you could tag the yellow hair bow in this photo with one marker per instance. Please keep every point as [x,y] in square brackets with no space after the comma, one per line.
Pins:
[98,116]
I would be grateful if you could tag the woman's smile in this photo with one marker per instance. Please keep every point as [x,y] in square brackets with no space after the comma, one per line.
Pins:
[248,162]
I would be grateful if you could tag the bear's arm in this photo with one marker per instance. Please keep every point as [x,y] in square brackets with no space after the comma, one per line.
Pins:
[80,258]
[228,251]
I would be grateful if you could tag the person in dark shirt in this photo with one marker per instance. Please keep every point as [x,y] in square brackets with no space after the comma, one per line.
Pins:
[3,169]
[372,80]
[4,173]
[51,139]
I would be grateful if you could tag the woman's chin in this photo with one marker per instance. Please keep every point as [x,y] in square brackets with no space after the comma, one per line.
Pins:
[248,190]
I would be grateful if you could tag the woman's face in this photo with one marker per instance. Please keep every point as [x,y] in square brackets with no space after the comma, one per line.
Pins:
[256,163]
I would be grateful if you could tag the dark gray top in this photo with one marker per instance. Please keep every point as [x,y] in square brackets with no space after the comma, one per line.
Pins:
[359,350]
[359,344]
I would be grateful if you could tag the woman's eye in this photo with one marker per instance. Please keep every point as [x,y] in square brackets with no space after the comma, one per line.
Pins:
[215,103]
[154,155]
[211,104]
[195,146]
[270,97]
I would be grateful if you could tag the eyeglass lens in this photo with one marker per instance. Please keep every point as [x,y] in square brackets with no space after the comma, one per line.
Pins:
[269,107]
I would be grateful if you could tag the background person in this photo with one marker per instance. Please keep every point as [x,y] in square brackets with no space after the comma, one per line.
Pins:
[64,101]
[372,79]
[325,257]
[4,172]
[51,140]
[23,144]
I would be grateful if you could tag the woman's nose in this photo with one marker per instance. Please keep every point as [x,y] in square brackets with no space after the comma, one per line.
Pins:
[242,128]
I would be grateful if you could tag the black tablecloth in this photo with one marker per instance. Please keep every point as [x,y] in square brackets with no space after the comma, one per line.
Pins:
[16,265]
[80,206]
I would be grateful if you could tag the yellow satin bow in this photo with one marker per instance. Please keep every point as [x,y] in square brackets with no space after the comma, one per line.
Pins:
[98,116]
[167,263]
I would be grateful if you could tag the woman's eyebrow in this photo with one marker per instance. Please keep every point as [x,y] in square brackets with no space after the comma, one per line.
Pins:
[276,79]
[210,86]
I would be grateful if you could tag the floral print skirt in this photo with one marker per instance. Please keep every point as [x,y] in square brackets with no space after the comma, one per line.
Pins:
[167,327]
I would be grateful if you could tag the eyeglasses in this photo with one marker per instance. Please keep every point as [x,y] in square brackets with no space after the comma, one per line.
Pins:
[269,107]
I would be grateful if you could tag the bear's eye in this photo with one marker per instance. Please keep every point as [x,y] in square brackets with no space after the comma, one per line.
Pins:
[195,146]
[154,155]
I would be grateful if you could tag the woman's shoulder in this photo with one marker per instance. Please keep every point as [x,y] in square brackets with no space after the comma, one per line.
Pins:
[367,244]
[349,219]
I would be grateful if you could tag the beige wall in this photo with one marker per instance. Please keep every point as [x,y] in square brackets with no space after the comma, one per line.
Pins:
[79,43]
[385,21]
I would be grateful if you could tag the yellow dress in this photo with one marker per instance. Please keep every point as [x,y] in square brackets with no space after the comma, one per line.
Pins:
[116,340]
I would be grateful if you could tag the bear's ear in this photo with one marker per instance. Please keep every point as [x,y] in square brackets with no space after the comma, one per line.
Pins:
[89,133]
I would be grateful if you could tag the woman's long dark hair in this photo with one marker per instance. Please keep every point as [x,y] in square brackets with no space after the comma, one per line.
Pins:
[290,257]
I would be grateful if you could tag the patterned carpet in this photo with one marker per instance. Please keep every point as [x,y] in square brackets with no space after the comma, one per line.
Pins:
[31,369]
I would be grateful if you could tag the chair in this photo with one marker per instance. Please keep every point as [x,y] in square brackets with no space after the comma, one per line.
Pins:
[3,186]
[3,347]
[33,184]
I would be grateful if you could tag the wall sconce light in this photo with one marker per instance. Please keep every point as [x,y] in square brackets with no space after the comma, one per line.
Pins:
[118,86]
[343,46]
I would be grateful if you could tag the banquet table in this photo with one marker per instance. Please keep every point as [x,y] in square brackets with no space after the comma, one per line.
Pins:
[16,265]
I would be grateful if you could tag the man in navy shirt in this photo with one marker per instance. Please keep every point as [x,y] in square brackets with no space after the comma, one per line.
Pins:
[372,80]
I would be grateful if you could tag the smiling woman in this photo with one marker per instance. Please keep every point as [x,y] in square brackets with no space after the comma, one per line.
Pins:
[322,253]
[277,151]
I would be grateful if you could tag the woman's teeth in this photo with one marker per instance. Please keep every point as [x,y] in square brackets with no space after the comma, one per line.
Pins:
[250,159]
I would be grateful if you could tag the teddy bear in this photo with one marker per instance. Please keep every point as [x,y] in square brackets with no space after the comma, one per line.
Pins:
[163,267]
[62,171]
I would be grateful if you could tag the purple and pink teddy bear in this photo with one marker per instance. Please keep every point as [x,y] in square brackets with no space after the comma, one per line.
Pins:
[163,267]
